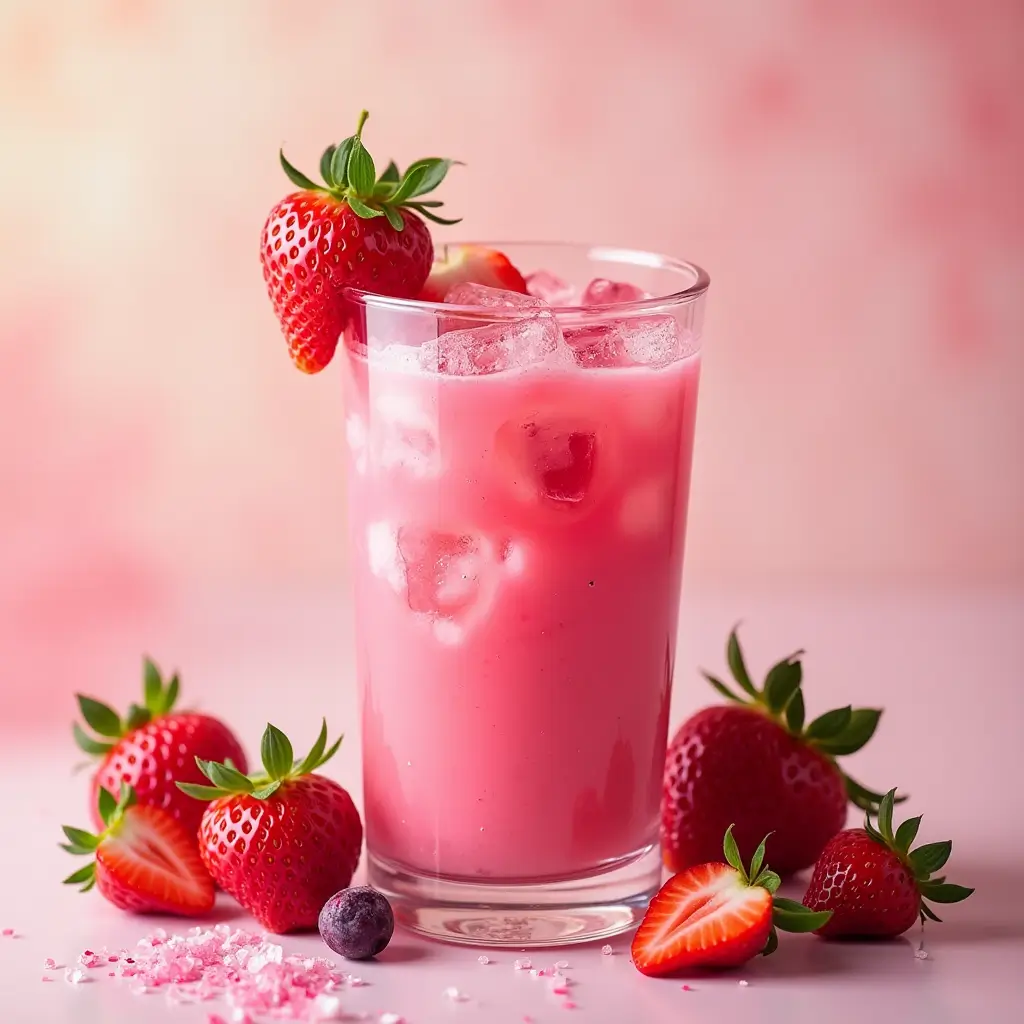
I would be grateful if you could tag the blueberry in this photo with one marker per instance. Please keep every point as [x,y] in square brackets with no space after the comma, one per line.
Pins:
[357,923]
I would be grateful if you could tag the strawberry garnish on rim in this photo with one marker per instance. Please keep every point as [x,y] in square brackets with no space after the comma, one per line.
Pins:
[718,915]
[144,860]
[875,884]
[356,230]
[470,264]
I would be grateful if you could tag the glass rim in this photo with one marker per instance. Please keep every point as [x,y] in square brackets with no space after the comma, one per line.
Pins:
[609,253]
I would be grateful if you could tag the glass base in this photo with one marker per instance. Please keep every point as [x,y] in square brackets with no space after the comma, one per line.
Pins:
[521,915]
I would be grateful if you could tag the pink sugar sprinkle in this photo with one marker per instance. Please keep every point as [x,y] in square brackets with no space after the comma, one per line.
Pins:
[744,984]
[49,964]
[46,977]
[522,965]
[607,950]
[390,1018]
[111,974]
[74,976]
[7,933]
[568,1005]
[686,988]
[560,990]
[215,1018]
[483,959]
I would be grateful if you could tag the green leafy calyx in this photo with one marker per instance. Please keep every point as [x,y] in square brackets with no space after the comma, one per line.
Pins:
[158,698]
[787,915]
[835,733]
[82,843]
[350,175]
[922,862]
[279,767]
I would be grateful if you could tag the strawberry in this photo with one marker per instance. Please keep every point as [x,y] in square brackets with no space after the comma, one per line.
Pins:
[354,231]
[153,746]
[145,860]
[465,264]
[717,915]
[755,763]
[281,842]
[874,884]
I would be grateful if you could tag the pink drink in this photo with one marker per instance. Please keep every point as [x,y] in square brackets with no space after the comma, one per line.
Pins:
[517,549]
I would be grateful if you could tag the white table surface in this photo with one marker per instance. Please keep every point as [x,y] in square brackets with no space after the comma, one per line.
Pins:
[946,666]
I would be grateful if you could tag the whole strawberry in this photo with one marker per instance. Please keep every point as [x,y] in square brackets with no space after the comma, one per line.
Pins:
[152,747]
[874,884]
[354,231]
[284,841]
[753,762]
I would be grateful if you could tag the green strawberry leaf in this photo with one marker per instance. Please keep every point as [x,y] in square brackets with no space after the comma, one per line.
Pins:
[137,716]
[434,171]
[769,880]
[79,837]
[931,857]
[927,912]
[395,218]
[225,778]
[100,718]
[85,742]
[795,713]
[732,853]
[757,860]
[830,724]
[296,177]
[265,792]
[861,727]
[325,166]
[339,162]
[944,893]
[360,209]
[152,687]
[790,916]
[276,752]
[171,694]
[83,874]
[772,944]
[406,187]
[737,666]
[202,792]
[361,173]
[782,681]
[328,754]
[107,804]
[885,817]
[312,759]
[722,688]
[907,833]
[419,208]
[391,173]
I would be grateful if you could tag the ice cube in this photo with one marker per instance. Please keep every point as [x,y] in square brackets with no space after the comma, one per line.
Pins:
[356,435]
[638,341]
[602,292]
[596,346]
[470,294]
[549,288]
[383,556]
[492,348]
[451,578]
[405,435]
[442,570]
[646,508]
[650,340]
[563,460]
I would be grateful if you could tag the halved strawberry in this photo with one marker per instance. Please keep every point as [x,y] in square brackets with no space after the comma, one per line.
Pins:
[462,264]
[145,860]
[717,915]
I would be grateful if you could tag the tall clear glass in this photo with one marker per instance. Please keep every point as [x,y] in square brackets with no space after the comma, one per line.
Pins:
[518,483]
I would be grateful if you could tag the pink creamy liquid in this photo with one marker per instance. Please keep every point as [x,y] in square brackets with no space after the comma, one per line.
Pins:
[517,550]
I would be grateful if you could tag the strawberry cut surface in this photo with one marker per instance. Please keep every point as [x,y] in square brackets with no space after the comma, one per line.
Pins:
[703,917]
[470,264]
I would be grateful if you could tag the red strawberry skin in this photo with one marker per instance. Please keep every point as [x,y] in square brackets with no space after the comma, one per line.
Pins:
[732,764]
[313,247]
[461,264]
[869,890]
[283,857]
[153,757]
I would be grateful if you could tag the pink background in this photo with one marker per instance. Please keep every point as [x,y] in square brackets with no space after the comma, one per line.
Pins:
[850,174]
